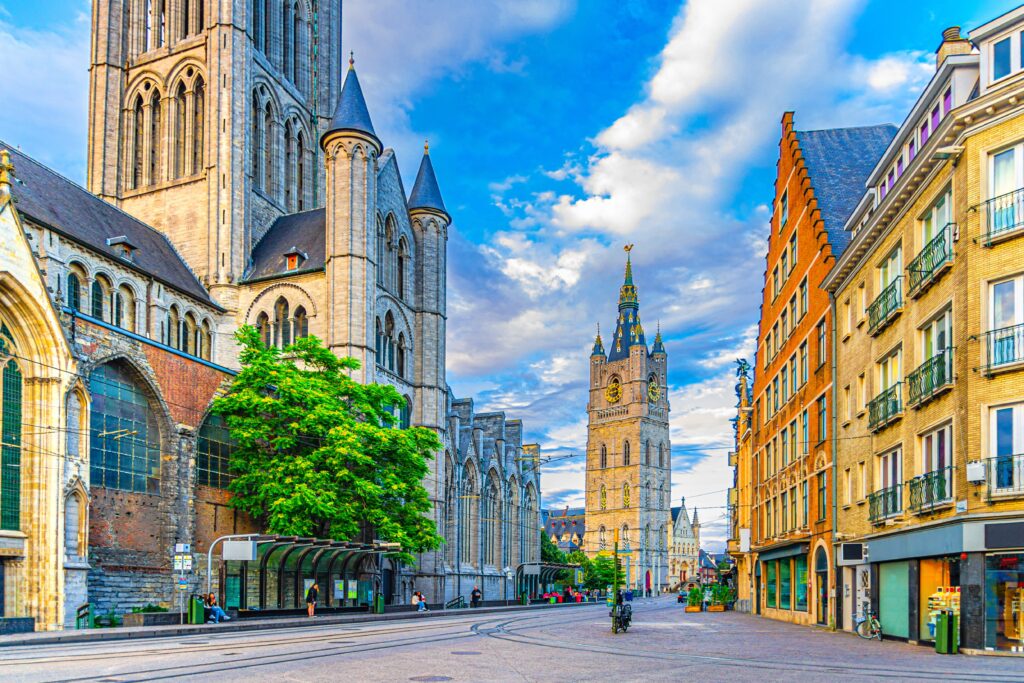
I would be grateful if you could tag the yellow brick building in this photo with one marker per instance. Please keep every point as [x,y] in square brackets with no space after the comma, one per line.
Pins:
[628,451]
[741,495]
[928,389]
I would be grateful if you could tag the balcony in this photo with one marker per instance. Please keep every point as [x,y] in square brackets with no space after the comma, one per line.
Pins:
[1002,348]
[1005,476]
[1005,215]
[931,378]
[933,260]
[886,306]
[885,503]
[886,407]
[931,490]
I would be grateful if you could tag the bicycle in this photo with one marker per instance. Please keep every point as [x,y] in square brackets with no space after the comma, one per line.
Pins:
[868,626]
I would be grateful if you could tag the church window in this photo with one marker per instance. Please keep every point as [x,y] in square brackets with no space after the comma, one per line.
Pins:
[214,447]
[138,155]
[625,537]
[154,138]
[74,524]
[188,334]
[300,172]
[380,252]
[159,8]
[180,117]
[287,35]
[389,342]
[661,455]
[100,287]
[124,437]
[400,359]
[263,325]
[647,453]
[299,45]
[257,138]
[147,11]
[400,269]
[282,325]
[123,308]
[257,23]
[10,452]
[289,164]
[604,456]
[267,26]
[204,341]
[267,152]
[467,500]
[173,327]
[625,454]
[301,323]
[625,495]
[604,497]
[379,347]
[74,292]
[602,538]
[198,124]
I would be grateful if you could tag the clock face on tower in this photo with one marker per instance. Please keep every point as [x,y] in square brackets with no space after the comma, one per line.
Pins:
[653,389]
[613,392]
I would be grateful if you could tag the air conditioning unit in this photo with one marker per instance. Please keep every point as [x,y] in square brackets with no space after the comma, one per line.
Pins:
[976,472]
[852,553]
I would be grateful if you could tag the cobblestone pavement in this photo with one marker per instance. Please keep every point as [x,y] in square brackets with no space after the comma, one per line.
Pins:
[664,644]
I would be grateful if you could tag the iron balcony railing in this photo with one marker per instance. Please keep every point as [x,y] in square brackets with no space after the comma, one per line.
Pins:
[885,407]
[931,490]
[885,306]
[1002,347]
[885,503]
[1005,213]
[927,265]
[1005,475]
[931,377]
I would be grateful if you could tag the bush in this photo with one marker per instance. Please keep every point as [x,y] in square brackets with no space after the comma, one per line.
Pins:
[148,609]
[721,594]
[695,597]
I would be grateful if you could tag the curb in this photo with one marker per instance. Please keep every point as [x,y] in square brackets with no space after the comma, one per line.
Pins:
[140,633]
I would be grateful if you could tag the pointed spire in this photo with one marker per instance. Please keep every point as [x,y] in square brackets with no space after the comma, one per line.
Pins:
[351,113]
[629,331]
[425,192]
[659,345]
[598,344]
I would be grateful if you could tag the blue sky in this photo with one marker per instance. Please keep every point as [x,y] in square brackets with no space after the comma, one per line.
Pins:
[560,131]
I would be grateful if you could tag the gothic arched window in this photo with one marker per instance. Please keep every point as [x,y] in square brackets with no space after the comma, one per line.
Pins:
[300,172]
[389,341]
[257,23]
[400,360]
[268,149]
[154,139]
[205,341]
[604,456]
[647,453]
[380,250]
[180,123]
[123,307]
[257,138]
[625,537]
[289,164]
[98,295]
[125,436]
[602,538]
[214,447]
[287,46]
[263,325]
[625,495]
[282,326]
[400,268]
[267,27]
[604,497]
[173,327]
[198,124]
[74,295]
[188,334]
[625,453]
[301,323]
[139,151]
[10,451]
[379,347]
[661,455]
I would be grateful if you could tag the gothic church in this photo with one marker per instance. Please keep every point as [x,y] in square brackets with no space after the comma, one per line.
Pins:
[234,177]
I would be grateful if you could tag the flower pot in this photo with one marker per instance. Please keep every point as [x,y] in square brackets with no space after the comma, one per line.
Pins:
[716,608]
[695,608]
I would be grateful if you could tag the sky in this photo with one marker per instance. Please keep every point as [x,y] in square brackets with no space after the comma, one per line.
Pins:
[561,130]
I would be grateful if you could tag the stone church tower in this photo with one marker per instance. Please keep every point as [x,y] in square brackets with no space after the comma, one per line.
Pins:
[628,451]
[204,118]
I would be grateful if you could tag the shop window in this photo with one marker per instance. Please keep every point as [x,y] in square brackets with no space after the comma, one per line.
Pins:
[939,580]
[771,597]
[785,587]
[1004,601]
[800,582]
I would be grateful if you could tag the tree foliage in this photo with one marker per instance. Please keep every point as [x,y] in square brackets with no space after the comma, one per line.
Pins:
[598,573]
[317,453]
[549,552]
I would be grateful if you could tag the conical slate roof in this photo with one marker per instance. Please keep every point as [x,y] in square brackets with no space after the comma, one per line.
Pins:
[425,192]
[351,112]
[629,331]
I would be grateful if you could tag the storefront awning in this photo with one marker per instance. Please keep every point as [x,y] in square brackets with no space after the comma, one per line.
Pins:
[784,551]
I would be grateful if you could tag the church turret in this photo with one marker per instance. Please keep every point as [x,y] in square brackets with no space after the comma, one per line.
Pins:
[629,332]
[351,151]
[598,351]
[430,221]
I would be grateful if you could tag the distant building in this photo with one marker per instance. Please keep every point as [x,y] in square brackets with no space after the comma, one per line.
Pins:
[565,528]
[684,546]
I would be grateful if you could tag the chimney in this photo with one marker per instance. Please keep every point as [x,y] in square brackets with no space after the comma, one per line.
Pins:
[952,44]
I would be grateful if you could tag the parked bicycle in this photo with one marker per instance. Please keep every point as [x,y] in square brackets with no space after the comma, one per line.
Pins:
[868,626]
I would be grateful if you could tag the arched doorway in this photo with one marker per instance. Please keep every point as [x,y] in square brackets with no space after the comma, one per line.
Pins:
[647,582]
[821,584]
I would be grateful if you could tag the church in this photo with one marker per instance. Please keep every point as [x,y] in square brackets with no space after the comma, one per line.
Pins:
[234,177]
[629,455]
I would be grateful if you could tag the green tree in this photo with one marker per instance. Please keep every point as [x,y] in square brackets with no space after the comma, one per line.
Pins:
[549,552]
[317,453]
[602,572]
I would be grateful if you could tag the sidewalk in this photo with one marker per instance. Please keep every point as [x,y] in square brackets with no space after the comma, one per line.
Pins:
[233,626]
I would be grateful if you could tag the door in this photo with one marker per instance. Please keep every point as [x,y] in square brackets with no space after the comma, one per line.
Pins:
[894,598]
[821,584]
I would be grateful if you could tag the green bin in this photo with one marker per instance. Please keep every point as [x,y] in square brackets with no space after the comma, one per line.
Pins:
[196,611]
[378,604]
[947,633]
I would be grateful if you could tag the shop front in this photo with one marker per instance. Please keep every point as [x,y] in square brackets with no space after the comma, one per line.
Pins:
[786,583]
[1004,587]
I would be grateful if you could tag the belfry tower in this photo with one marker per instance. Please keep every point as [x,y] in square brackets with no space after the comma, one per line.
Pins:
[629,461]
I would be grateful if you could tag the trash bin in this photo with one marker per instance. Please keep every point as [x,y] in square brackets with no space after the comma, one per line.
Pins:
[196,611]
[378,604]
[947,633]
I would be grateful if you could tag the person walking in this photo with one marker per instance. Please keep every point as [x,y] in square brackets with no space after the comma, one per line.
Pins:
[311,595]
[475,597]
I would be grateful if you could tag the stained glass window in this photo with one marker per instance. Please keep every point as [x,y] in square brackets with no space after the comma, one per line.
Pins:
[10,452]
[213,453]
[124,435]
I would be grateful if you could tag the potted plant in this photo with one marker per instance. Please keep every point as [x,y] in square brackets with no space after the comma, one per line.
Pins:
[719,596]
[694,599]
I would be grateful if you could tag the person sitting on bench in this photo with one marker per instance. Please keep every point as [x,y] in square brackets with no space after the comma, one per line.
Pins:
[217,614]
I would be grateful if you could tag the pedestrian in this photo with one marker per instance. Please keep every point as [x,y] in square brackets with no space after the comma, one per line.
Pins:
[422,604]
[311,595]
[216,613]
[475,597]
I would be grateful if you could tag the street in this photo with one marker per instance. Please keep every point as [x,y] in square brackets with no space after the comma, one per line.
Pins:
[571,644]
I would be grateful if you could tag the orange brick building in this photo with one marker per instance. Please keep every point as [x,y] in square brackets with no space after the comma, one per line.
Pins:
[819,182]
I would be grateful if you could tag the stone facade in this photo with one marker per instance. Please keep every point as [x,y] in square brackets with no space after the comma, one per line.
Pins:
[628,450]
[684,547]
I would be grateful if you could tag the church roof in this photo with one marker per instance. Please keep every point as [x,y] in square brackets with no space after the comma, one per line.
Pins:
[839,162]
[305,232]
[425,192]
[51,200]
[351,112]
[628,330]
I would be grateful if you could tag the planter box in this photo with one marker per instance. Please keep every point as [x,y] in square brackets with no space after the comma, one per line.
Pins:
[716,608]
[693,609]
[17,625]
[152,619]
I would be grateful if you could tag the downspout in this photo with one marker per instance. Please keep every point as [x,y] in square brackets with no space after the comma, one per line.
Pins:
[833,343]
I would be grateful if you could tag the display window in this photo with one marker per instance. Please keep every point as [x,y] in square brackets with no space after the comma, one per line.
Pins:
[1004,601]
[769,584]
[800,581]
[785,589]
[939,580]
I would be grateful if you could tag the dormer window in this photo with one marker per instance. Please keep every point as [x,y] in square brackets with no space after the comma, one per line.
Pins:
[122,247]
[1001,59]
[293,258]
